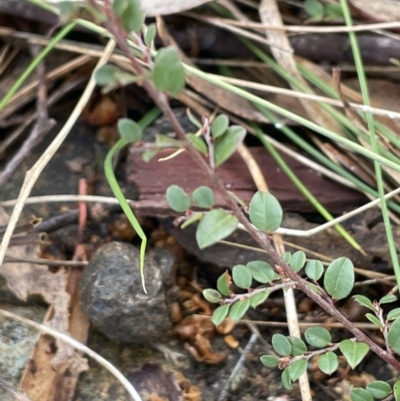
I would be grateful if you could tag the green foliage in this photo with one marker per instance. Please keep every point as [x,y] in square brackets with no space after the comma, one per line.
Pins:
[130,14]
[168,73]
[197,142]
[226,144]
[258,299]
[238,309]
[394,336]
[192,219]
[269,361]
[396,390]
[111,77]
[360,394]
[373,319]
[353,351]
[281,345]
[220,314]
[297,368]
[314,9]
[165,141]
[387,299]
[379,389]
[241,276]
[364,301]
[219,125]
[203,196]
[339,278]
[393,314]
[212,296]
[177,198]
[223,283]
[298,346]
[321,11]
[297,261]
[286,380]
[261,271]
[314,269]
[265,212]
[328,363]
[129,130]
[318,336]
[216,225]
[149,35]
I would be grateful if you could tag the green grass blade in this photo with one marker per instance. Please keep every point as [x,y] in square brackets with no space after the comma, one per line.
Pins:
[370,121]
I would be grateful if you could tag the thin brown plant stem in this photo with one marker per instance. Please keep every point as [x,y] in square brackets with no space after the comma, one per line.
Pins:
[262,239]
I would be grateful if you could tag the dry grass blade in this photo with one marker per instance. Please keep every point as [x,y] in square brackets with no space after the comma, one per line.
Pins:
[78,346]
[33,174]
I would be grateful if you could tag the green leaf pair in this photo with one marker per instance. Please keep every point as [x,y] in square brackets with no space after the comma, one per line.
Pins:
[179,200]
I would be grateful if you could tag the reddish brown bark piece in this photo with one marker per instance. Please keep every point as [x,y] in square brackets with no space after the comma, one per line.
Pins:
[153,179]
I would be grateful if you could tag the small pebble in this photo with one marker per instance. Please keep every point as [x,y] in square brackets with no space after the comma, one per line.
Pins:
[113,298]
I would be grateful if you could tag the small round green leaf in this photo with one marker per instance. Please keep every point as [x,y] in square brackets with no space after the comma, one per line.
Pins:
[265,211]
[258,299]
[261,271]
[360,394]
[178,199]
[238,309]
[215,226]
[387,299]
[298,346]
[168,72]
[393,314]
[269,361]
[241,276]
[364,301]
[281,345]
[105,74]
[353,351]
[328,363]
[223,283]
[226,145]
[396,390]
[211,295]
[132,17]
[314,8]
[220,314]
[394,336]
[219,125]
[297,261]
[297,368]
[286,380]
[318,336]
[314,269]
[203,196]
[339,278]
[379,389]
[130,130]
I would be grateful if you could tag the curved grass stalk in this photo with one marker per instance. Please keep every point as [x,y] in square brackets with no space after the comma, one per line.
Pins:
[112,181]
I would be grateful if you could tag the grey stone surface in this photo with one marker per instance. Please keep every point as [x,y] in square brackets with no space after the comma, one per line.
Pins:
[112,295]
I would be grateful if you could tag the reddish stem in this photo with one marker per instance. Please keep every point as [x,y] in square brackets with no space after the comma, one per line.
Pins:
[262,239]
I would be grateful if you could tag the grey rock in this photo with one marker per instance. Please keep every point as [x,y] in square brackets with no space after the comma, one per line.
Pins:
[113,298]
